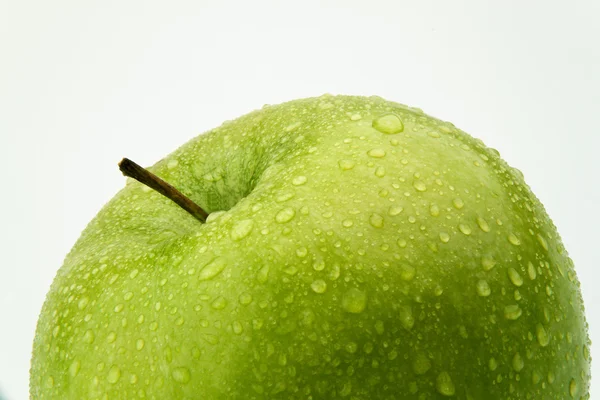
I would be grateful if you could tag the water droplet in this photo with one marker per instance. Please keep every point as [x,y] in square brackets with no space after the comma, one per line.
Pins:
[351,347]
[319,286]
[483,288]
[241,229]
[347,223]
[542,336]
[355,117]
[542,241]
[319,265]
[483,225]
[134,273]
[376,153]
[89,336]
[531,271]
[212,269]
[119,308]
[245,298]
[346,164]
[421,364]
[401,243]
[237,327]
[434,210]
[112,336]
[395,210]
[219,303]
[407,272]
[376,220]
[514,239]
[458,203]
[114,373]
[464,228]
[354,301]
[573,388]
[380,172]
[487,262]
[181,375]
[299,180]
[406,317]
[512,312]
[128,296]
[493,364]
[285,215]
[379,327]
[517,362]
[514,277]
[444,237]
[83,303]
[420,186]
[172,164]
[444,384]
[49,382]
[263,274]
[74,368]
[433,134]
[389,124]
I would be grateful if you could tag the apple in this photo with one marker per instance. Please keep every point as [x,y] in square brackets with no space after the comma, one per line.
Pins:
[355,248]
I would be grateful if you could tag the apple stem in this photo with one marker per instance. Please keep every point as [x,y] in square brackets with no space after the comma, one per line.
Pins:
[142,175]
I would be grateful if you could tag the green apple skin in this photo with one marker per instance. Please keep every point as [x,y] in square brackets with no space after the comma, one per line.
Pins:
[357,249]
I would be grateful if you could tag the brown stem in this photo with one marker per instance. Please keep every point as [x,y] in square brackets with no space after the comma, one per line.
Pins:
[142,175]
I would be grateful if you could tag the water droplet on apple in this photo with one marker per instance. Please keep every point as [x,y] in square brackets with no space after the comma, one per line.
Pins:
[407,272]
[181,375]
[241,229]
[74,368]
[483,288]
[531,271]
[114,374]
[465,229]
[406,317]
[542,335]
[483,225]
[492,364]
[458,203]
[517,362]
[420,186]
[285,215]
[401,243]
[376,153]
[319,286]
[487,262]
[139,344]
[512,312]
[388,124]
[212,269]
[513,239]
[514,277]
[237,327]
[319,265]
[89,336]
[83,302]
[219,303]
[245,298]
[112,336]
[347,223]
[299,180]
[49,382]
[376,220]
[380,172]
[434,210]
[421,364]
[395,210]
[346,164]
[119,308]
[444,384]
[263,274]
[434,134]
[354,301]
[444,237]
[573,388]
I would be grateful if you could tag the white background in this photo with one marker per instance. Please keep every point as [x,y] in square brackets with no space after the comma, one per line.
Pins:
[84,83]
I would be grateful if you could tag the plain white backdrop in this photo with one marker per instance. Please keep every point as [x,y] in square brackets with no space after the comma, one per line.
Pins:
[84,83]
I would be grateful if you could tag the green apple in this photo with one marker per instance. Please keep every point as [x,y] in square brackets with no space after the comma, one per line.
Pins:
[356,248]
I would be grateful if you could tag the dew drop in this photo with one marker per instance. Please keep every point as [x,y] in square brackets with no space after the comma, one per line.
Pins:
[517,362]
[420,186]
[111,337]
[245,298]
[346,164]
[114,374]
[421,364]
[434,210]
[379,327]
[512,312]
[181,375]
[492,364]
[376,220]
[285,215]
[444,384]
[483,288]
[542,336]
[49,382]
[406,317]
[241,229]
[319,286]
[74,368]
[573,388]
[299,180]
[458,203]
[380,172]
[347,223]
[89,336]
[483,224]
[542,241]
[513,239]
[319,265]
[388,124]
[514,277]
[395,210]
[219,303]
[376,153]
[444,237]
[531,271]
[83,303]
[407,272]
[237,327]
[212,269]
[487,262]
[139,344]
[354,301]
[464,228]
[263,274]
[401,243]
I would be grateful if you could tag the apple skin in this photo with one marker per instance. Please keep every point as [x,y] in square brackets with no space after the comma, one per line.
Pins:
[364,250]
